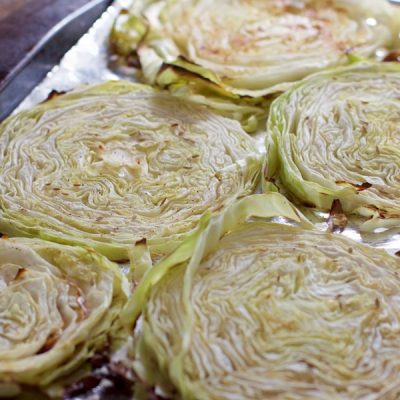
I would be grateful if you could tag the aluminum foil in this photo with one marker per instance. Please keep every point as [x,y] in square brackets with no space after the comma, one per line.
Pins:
[85,63]
[89,62]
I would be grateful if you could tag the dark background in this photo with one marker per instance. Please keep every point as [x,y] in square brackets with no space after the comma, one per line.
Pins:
[24,22]
[34,36]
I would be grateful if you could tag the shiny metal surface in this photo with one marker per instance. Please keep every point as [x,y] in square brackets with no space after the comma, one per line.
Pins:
[47,52]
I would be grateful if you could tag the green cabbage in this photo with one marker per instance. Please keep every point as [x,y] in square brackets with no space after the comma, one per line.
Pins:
[118,163]
[58,305]
[249,48]
[336,136]
[249,309]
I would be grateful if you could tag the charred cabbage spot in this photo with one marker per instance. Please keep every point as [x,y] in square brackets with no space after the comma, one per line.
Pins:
[59,304]
[251,48]
[337,220]
[338,137]
[269,311]
[393,56]
[111,164]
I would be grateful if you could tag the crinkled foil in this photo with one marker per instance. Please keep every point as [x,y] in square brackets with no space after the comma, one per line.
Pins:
[85,63]
[89,62]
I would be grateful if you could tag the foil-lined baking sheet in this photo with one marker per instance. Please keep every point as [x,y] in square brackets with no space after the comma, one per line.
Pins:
[89,62]
[85,63]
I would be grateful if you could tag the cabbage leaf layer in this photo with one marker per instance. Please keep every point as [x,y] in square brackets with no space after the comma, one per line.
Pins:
[117,163]
[336,135]
[59,304]
[266,310]
[250,48]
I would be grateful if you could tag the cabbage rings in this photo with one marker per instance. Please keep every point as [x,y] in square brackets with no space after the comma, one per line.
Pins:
[117,163]
[336,135]
[270,311]
[249,47]
[58,305]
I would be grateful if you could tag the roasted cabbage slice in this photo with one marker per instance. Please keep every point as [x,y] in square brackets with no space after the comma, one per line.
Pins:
[336,136]
[58,305]
[262,310]
[249,48]
[116,163]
